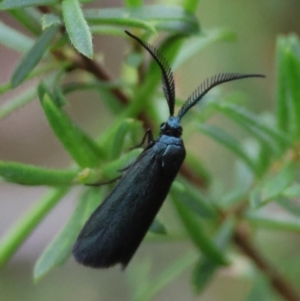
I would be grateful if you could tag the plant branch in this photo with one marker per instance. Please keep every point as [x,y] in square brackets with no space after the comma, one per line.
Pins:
[278,282]
[81,62]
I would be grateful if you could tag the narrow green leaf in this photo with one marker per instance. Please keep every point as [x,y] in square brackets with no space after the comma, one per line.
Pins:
[109,30]
[139,277]
[33,56]
[120,135]
[9,4]
[56,94]
[27,18]
[73,139]
[195,45]
[272,222]
[32,175]
[254,125]
[197,233]
[292,191]
[282,103]
[151,288]
[190,5]
[158,15]
[243,181]
[255,198]
[193,198]
[77,27]
[17,102]
[225,232]
[49,20]
[14,39]
[260,290]
[177,26]
[146,12]
[198,168]
[157,227]
[259,154]
[40,70]
[59,250]
[110,170]
[24,227]
[134,59]
[135,23]
[5,87]
[205,268]
[268,145]
[105,139]
[289,205]
[228,141]
[203,272]
[276,184]
[121,162]
[232,198]
[110,100]
[292,70]
[133,3]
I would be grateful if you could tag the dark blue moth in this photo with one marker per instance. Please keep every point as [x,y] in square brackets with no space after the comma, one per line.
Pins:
[116,228]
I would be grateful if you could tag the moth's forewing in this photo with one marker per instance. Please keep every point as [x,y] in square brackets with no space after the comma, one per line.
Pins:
[116,228]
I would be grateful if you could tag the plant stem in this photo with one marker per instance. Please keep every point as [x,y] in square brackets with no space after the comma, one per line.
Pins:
[278,282]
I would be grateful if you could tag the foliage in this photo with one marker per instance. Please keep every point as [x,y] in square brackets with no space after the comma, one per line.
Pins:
[266,161]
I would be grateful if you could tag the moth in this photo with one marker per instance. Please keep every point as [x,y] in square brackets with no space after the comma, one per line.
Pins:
[115,230]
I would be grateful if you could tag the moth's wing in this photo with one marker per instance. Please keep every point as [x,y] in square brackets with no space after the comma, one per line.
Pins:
[115,230]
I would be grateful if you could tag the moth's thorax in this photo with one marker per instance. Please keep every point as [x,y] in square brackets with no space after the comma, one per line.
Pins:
[171,128]
[171,153]
[169,140]
[169,145]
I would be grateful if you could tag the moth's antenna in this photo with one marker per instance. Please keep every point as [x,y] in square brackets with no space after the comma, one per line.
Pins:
[167,75]
[208,85]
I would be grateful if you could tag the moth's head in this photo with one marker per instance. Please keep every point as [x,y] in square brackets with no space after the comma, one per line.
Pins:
[172,127]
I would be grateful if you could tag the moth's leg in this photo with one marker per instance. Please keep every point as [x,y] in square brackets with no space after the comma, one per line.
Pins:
[104,182]
[148,135]
[150,140]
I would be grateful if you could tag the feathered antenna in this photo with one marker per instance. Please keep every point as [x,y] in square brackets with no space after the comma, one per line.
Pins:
[167,75]
[208,85]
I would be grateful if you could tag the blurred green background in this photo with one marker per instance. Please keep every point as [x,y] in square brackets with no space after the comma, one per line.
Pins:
[26,137]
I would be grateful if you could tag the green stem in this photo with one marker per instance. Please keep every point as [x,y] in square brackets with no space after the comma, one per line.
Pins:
[23,228]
